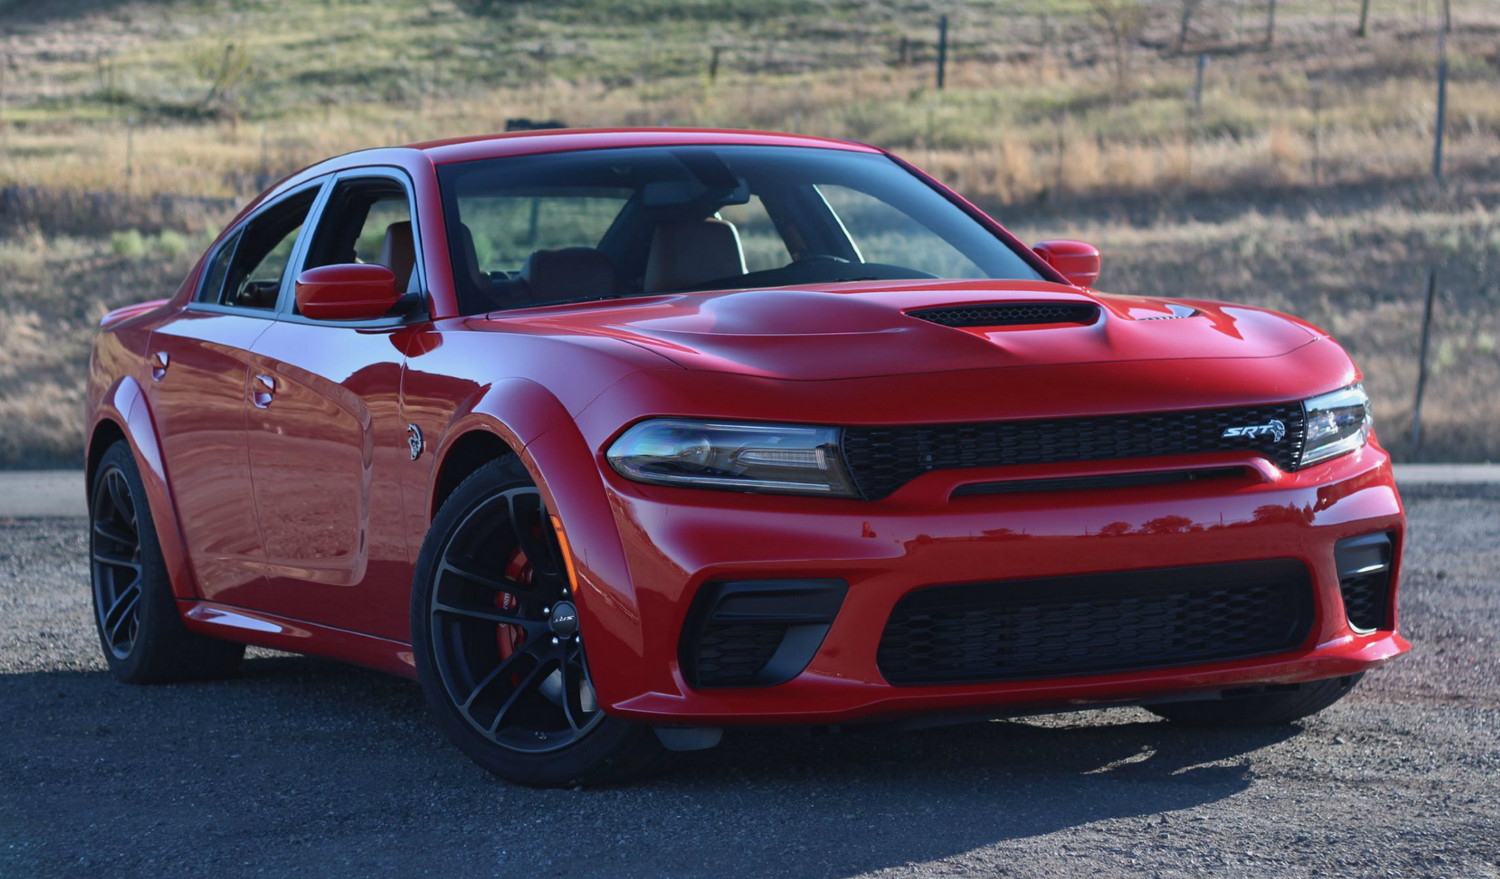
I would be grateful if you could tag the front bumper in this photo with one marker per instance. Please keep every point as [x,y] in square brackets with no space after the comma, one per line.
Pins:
[677,540]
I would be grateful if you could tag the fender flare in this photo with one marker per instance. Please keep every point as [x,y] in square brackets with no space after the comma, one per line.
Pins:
[536,426]
[126,405]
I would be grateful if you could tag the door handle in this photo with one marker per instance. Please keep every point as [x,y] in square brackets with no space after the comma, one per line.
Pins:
[159,362]
[262,389]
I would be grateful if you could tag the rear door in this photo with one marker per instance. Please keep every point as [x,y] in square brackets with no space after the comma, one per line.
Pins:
[326,438]
[199,392]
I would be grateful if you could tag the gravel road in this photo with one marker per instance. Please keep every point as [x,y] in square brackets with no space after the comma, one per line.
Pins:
[305,767]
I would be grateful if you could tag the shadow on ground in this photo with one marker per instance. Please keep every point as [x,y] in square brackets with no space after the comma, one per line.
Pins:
[301,766]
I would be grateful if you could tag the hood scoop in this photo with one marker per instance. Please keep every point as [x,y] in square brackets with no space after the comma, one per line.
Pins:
[1010,314]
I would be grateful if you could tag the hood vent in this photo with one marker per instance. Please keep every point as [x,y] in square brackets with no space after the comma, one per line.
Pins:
[1175,312]
[1010,314]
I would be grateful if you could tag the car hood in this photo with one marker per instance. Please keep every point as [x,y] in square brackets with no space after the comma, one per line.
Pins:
[852,330]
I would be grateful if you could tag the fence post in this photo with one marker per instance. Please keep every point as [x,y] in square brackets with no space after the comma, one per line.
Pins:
[1364,19]
[1270,22]
[129,157]
[1317,98]
[942,59]
[1198,83]
[1416,408]
[713,63]
[1442,108]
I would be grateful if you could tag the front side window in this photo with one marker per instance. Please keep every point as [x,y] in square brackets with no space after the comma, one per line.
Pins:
[534,230]
[368,220]
[249,268]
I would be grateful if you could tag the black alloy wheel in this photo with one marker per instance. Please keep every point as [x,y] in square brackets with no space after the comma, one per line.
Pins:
[499,642]
[142,635]
[115,548]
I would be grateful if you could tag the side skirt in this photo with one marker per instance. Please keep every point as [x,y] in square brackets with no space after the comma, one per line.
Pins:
[295,636]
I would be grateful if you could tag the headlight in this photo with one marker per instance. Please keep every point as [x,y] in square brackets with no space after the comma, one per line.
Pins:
[1336,423]
[783,458]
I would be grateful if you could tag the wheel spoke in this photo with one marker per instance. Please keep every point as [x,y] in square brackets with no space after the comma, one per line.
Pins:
[528,518]
[119,495]
[492,614]
[506,668]
[463,568]
[573,679]
[526,683]
[110,532]
[105,559]
[122,612]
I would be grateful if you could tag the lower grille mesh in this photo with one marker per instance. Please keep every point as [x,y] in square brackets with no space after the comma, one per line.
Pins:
[728,655]
[1365,600]
[1095,624]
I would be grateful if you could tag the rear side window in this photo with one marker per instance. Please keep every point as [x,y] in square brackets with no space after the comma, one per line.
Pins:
[248,270]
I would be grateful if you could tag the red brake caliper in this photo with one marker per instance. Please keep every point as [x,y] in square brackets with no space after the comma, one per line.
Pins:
[507,635]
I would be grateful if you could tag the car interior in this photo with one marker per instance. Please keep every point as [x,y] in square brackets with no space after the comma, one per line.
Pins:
[639,222]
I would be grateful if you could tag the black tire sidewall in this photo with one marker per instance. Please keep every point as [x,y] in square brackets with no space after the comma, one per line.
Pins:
[596,755]
[157,612]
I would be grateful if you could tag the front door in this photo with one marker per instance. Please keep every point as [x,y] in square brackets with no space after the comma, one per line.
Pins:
[326,441]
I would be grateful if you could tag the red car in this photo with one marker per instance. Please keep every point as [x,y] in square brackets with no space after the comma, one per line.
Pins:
[613,439]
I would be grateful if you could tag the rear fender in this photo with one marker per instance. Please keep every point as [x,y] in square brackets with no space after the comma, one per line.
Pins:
[125,405]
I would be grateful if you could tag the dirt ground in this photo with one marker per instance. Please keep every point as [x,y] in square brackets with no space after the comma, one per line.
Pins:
[303,767]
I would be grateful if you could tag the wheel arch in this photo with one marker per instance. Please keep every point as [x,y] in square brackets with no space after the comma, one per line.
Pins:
[124,413]
[522,418]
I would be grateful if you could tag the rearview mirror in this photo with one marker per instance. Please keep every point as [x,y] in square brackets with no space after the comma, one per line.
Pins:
[350,291]
[1074,260]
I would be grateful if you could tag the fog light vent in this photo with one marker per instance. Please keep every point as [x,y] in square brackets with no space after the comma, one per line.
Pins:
[756,633]
[1364,565]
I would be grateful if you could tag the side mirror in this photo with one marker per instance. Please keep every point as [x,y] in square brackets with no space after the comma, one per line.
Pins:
[351,291]
[1074,260]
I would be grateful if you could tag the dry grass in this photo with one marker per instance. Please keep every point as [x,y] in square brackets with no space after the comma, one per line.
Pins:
[1297,185]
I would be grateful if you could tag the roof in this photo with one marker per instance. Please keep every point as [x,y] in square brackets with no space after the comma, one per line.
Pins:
[519,143]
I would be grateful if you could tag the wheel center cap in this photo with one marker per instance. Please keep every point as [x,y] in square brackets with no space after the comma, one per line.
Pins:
[564,619]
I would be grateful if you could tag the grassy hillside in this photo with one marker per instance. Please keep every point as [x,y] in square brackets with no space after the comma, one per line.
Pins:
[130,130]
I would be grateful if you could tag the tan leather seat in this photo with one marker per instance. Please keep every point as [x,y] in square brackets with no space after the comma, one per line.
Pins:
[398,253]
[687,254]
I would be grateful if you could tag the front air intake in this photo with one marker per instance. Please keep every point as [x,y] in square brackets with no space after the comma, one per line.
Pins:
[756,633]
[1364,565]
[1010,314]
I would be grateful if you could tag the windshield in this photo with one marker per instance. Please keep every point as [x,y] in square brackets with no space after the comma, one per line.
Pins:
[594,224]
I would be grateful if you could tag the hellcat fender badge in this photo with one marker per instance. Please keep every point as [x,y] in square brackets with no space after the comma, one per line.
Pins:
[1275,429]
[414,439]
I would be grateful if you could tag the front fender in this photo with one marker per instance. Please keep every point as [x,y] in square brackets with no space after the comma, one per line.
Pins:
[125,404]
[536,425]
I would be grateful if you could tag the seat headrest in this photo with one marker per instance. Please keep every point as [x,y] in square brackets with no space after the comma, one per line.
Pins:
[687,254]
[569,273]
[398,253]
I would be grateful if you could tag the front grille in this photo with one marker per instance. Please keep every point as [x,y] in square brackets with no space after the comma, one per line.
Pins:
[882,459]
[1096,624]
[1010,314]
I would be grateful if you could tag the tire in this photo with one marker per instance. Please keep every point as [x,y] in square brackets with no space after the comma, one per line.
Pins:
[1261,709]
[498,658]
[142,634]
